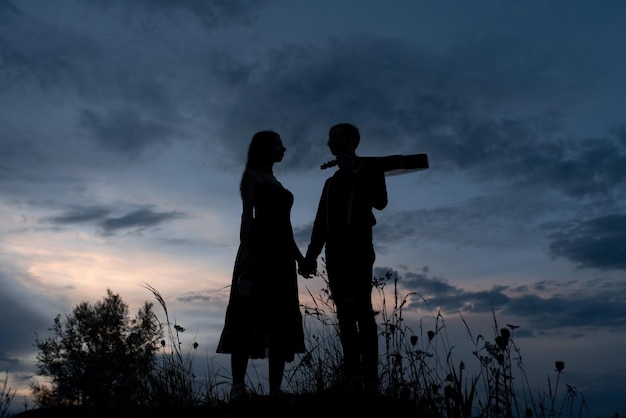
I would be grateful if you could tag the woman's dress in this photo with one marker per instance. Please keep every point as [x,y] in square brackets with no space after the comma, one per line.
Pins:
[263,314]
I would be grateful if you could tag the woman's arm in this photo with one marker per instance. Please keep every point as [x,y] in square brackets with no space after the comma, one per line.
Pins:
[248,189]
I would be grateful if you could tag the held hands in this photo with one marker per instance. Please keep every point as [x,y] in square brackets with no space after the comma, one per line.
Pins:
[307,268]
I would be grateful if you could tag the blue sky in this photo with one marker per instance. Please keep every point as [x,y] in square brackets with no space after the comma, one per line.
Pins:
[124,128]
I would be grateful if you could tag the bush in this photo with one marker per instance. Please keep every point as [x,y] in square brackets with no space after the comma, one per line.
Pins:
[99,357]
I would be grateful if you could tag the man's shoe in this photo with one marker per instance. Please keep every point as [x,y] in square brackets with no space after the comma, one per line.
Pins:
[278,392]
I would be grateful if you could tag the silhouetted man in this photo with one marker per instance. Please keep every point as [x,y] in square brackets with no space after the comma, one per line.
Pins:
[343,225]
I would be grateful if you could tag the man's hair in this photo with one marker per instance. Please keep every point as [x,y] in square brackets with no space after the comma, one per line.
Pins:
[351,131]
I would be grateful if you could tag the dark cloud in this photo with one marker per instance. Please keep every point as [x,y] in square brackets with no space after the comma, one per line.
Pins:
[594,310]
[81,215]
[438,293]
[423,284]
[404,97]
[595,243]
[128,90]
[192,297]
[306,89]
[46,57]
[139,219]
[408,100]
[4,358]
[597,305]
[488,220]
[126,131]
[576,167]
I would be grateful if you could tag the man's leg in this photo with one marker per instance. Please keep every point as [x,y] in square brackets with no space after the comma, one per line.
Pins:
[276,365]
[368,343]
[368,330]
[349,337]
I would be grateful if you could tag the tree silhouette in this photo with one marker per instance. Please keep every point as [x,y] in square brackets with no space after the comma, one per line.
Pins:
[99,357]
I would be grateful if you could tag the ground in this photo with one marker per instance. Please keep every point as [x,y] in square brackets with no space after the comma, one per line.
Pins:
[297,406]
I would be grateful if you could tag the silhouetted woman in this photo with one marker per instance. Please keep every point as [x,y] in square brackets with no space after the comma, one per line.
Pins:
[263,318]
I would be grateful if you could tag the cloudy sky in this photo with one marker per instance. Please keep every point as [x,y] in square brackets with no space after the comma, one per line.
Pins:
[124,128]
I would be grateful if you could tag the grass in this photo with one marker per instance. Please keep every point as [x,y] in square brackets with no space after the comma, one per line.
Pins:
[420,374]
[174,377]
[420,365]
[6,396]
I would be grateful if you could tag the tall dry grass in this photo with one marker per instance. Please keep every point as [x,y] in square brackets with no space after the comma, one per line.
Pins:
[420,365]
[417,365]
[173,374]
[6,396]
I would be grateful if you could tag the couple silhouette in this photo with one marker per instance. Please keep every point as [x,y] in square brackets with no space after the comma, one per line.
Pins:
[263,318]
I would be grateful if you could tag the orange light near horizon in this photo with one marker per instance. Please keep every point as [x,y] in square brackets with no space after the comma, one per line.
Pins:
[81,268]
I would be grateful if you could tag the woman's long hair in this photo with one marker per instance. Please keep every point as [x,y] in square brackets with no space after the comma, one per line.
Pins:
[260,148]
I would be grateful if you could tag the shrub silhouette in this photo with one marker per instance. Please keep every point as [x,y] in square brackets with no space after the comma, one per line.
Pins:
[98,356]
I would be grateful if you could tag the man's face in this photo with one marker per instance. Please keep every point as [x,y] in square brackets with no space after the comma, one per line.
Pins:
[340,144]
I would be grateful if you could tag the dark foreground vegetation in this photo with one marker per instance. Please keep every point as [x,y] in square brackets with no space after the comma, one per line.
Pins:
[99,362]
[294,406]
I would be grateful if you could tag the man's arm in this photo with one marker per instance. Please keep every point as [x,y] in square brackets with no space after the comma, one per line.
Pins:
[318,235]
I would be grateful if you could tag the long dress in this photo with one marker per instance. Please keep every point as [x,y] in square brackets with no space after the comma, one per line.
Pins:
[263,314]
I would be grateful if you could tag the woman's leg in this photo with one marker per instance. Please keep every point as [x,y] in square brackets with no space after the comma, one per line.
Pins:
[276,371]
[238,366]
